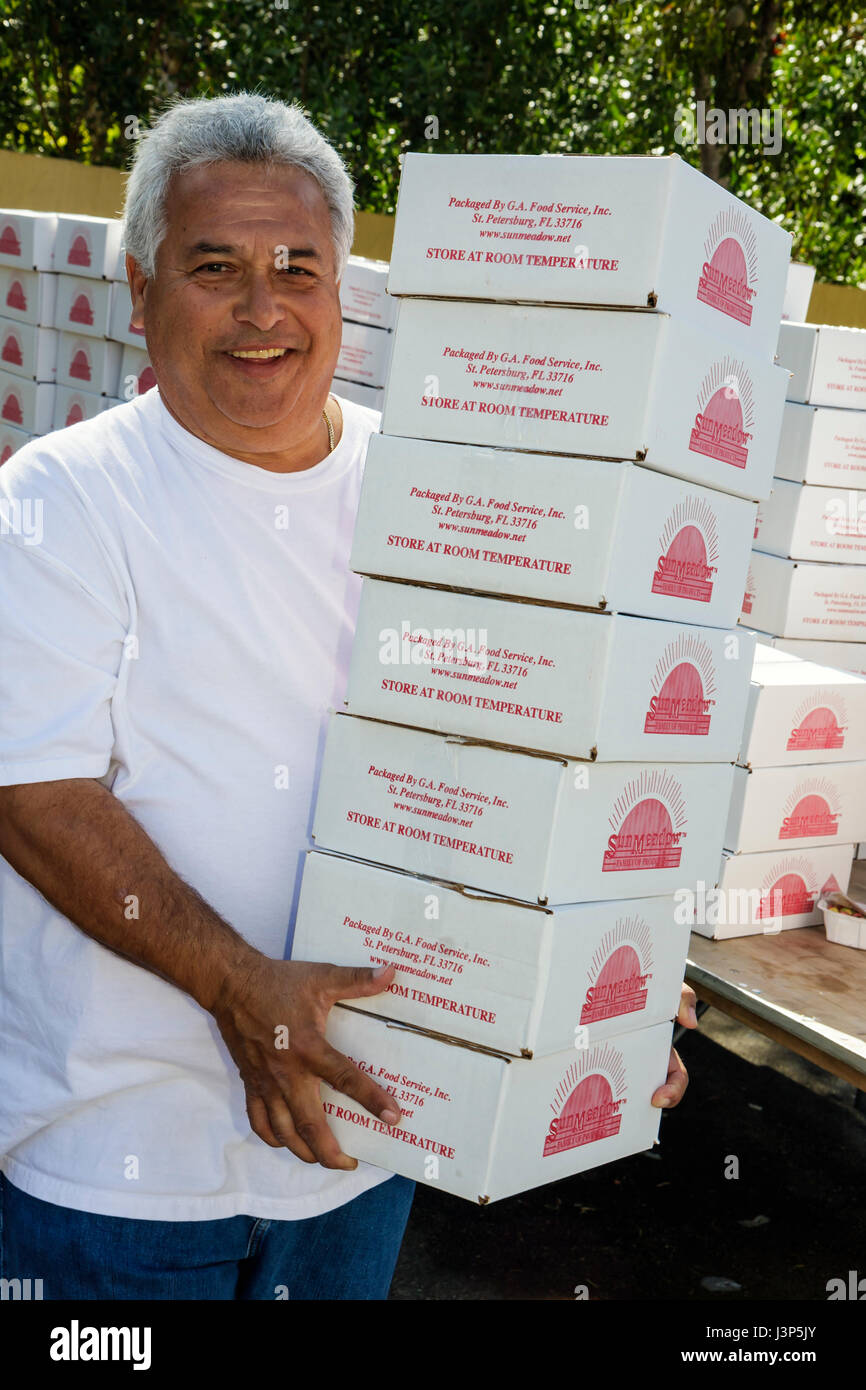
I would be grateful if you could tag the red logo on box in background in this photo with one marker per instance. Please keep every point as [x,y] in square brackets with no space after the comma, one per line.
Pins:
[588,1101]
[646,824]
[12,351]
[9,243]
[618,972]
[6,454]
[75,414]
[684,682]
[812,810]
[749,595]
[82,310]
[12,410]
[79,250]
[817,725]
[80,366]
[722,428]
[788,890]
[689,545]
[132,329]
[727,281]
[146,379]
[16,298]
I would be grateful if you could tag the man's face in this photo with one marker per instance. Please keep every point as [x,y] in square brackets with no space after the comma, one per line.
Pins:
[247,264]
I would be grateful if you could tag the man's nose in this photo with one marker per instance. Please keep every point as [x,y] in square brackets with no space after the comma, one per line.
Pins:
[260,302]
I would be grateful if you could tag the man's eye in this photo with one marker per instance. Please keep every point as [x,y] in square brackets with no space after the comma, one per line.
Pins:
[213,265]
[296,270]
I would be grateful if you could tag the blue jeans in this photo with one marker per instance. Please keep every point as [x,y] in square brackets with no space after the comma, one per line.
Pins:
[347,1253]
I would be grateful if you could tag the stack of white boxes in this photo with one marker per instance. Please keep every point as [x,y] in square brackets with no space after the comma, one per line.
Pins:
[807,581]
[799,800]
[67,348]
[547,689]
[368,321]
[28,339]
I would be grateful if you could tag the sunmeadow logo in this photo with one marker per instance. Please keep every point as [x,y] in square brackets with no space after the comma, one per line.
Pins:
[723,423]
[647,824]
[618,972]
[812,809]
[689,551]
[728,278]
[817,725]
[588,1101]
[684,683]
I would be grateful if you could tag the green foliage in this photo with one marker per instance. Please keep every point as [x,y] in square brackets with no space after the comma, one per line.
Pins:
[528,77]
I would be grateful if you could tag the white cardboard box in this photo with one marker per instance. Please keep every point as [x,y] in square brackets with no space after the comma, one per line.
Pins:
[803,522]
[11,441]
[518,824]
[821,445]
[485,1127]
[363,293]
[769,892]
[82,306]
[26,404]
[73,405]
[591,382]
[575,531]
[28,295]
[28,351]
[27,238]
[801,598]
[508,976]
[798,291]
[846,656]
[553,680]
[373,397]
[781,807]
[365,353]
[800,712]
[590,229]
[92,364]
[828,364]
[119,326]
[136,374]
[87,245]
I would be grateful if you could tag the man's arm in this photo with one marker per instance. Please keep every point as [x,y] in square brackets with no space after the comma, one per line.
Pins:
[79,846]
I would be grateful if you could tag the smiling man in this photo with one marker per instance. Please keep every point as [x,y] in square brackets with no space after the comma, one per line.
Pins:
[169,652]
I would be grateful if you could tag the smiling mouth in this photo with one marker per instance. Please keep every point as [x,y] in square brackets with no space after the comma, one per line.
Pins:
[258,354]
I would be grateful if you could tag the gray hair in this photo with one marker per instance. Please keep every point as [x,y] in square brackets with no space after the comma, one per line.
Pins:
[247,127]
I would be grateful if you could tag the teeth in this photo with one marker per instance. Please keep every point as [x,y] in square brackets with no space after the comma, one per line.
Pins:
[260,354]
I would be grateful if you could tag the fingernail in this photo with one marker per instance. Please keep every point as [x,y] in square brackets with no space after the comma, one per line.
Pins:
[665,1101]
[389,1117]
[380,970]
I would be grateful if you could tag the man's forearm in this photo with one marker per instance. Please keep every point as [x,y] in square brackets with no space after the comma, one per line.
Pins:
[91,860]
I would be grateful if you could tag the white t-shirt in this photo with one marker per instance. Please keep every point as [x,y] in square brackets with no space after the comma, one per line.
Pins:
[177,624]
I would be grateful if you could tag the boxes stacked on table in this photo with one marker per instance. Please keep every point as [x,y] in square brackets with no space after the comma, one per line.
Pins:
[547,690]
[807,579]
[798,807]
[368,319]
[67,348]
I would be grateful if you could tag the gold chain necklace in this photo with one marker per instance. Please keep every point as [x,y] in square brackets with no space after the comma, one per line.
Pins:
[327,420]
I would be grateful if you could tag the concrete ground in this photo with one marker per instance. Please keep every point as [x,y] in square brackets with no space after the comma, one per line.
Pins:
[652,1227]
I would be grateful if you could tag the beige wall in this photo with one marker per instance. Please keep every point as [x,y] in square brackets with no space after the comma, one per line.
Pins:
[62,185]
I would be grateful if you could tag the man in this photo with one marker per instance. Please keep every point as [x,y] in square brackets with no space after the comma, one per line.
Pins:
[169,648]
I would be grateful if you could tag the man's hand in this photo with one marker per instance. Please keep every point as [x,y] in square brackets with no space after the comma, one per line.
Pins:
[674,1088]
[272,1003]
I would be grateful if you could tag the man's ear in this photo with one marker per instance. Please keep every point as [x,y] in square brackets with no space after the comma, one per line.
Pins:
[137,283]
